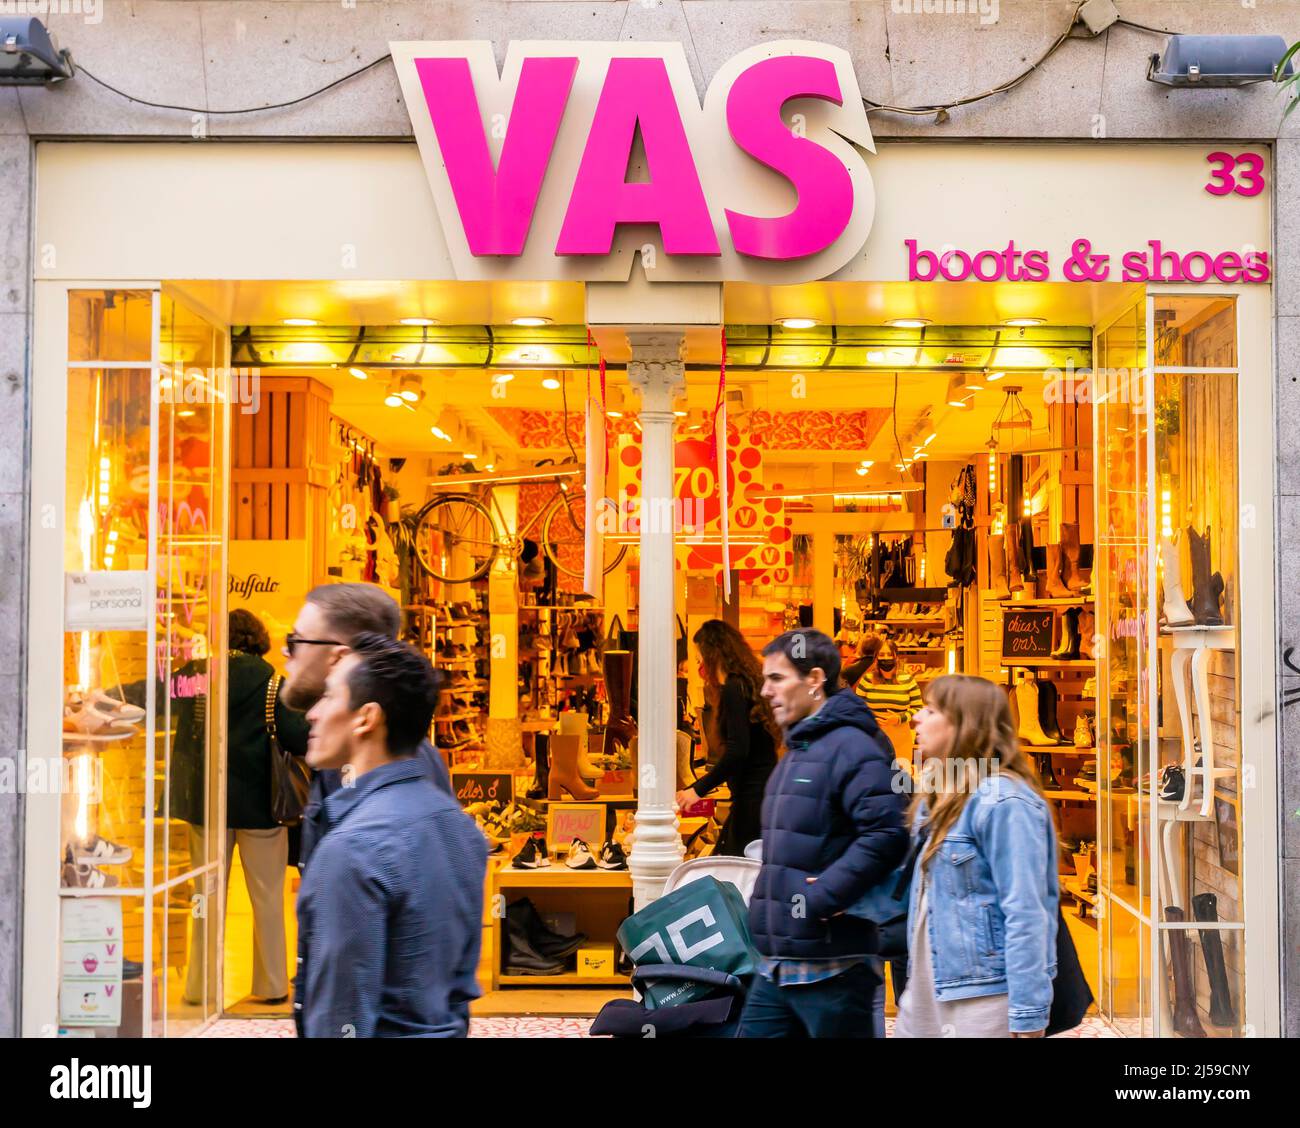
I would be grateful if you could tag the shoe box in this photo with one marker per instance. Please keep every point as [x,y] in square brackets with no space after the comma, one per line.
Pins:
[596,960]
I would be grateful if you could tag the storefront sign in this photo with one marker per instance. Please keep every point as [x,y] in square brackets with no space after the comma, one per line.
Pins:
[567,821]
[1027,633]
[107,601]
[90,987]
[536,173]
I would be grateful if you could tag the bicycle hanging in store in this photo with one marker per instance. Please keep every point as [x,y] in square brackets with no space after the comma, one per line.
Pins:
[458,534]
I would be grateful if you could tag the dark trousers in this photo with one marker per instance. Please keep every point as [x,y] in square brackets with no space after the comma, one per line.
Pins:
[838,1007]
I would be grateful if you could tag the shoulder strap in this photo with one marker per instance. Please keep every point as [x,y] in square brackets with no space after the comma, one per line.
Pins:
[272,695]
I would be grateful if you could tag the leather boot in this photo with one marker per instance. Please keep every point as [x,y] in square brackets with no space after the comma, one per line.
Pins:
[1068,650]
[1186,1022]
[1047,701]
[1205,907]
[539,788]
[1207,589]
[1070,572]
[1027,550]
[549,944]
[1087,633]
[1056,588]
[521,957]
[620,728]
[1030,730]
[564,770]
[1047,774]
[998,568]
[1015,568]
[1174,607]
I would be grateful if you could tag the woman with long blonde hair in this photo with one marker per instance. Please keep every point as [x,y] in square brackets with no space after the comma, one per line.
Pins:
[983,913]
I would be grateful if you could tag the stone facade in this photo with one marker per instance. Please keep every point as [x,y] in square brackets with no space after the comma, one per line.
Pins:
[212,55]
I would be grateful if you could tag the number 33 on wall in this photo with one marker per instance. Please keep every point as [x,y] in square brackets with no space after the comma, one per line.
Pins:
[1242,174]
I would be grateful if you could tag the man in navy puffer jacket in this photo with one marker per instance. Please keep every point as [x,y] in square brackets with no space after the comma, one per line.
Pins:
[833,827]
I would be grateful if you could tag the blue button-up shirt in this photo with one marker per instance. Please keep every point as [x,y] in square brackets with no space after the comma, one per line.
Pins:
[390,911]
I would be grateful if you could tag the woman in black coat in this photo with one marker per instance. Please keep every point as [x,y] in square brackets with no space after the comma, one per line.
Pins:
[749,733]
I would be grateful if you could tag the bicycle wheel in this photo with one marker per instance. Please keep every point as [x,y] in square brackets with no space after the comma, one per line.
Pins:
[455,539]
[564,537]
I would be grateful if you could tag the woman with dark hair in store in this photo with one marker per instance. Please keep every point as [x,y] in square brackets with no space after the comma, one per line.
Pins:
[263,843]
[749,733]
[983,913]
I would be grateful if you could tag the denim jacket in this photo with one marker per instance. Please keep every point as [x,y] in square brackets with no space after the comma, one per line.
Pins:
[992,902]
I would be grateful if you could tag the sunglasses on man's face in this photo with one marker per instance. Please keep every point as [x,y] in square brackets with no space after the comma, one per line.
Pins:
[291,641]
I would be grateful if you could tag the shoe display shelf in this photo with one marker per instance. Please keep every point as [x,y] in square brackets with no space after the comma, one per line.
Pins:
[599,900]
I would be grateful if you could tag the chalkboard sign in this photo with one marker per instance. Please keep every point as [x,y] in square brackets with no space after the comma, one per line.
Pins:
[483,787]
[1027,633]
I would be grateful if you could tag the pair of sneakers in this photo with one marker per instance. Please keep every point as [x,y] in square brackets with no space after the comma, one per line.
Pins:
[611,856]
[81,865]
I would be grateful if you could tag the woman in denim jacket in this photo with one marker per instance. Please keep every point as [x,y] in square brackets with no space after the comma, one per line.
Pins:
[983,912]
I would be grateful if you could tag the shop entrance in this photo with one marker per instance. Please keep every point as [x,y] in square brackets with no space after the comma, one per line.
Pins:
[1044,485]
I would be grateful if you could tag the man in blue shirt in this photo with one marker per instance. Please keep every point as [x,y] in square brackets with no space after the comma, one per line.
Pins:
[390,910]
[331,616]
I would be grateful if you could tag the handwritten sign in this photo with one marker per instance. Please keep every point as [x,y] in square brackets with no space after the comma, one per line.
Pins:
[567,821]
[483,787]
[1027,633]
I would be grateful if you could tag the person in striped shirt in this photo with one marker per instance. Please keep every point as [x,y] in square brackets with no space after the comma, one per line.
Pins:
[891,693]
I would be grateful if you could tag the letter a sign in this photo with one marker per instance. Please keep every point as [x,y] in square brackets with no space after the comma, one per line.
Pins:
[537,173]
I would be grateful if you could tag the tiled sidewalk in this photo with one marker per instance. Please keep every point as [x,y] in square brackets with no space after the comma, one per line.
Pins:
[521,1026]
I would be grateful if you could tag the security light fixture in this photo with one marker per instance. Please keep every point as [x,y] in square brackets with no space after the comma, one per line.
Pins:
[410,388]
[1218,60]
[29,55]
[959,395]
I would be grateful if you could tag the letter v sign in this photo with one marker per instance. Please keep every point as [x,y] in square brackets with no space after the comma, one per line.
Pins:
[496,205]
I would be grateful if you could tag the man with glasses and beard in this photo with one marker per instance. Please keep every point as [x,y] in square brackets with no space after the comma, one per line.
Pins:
[331,617]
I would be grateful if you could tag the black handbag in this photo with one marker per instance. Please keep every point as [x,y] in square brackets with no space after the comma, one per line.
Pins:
[1071,995]
[290,776]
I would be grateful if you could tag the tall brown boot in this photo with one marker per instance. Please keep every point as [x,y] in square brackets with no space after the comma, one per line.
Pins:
[1070,551]
[1186,1022]
[1015,567]
[998,568]
[1056,588]
[620,728]
[564,769]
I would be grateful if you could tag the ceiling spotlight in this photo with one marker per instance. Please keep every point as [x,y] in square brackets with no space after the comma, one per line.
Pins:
[876,356]
[530,322]
[958,394]
[908,322]
[503,377]
[299,321]
[490,466]
[551,384]
[797,322]
[862,471]
[614,414]
[418,321]
[1023,322]
[681,414]
[392,399]
[360,373]
[469,456]
[438,433]
[993,377]
[410,388]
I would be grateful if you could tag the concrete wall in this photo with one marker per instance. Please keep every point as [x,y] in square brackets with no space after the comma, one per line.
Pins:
[222,54]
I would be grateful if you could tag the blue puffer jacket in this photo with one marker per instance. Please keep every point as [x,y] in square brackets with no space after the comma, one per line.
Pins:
[831,812]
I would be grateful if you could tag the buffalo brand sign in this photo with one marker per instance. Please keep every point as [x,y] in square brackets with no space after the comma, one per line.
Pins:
[536,172]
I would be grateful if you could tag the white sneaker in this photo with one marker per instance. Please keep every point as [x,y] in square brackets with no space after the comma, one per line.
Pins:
[580,857]
[101,852]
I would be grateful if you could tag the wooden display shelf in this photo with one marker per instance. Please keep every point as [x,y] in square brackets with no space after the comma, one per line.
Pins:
[908,621]
[1059,749]
[1076,890]
[564,979]
[1074,796]
[1050,663]
[1046,601]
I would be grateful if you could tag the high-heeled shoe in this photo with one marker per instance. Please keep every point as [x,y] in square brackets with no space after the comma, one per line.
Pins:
[1068,650]
[1029,729]
[1174,607]
[1047,702]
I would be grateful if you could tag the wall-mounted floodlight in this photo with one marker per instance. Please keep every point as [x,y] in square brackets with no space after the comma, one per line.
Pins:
[1218,60]
[29,56]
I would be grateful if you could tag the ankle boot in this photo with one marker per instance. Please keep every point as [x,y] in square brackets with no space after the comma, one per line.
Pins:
[1015,568]
[620,728]
[521,957]
[1083,737]
[564,770]
[1056,588]
[1030,730]
[1174,606]
[1070,572]
[1047,774]
[1205,907]
[1068,650]
[998,568]
[1087,633]
[1207,589]
[1047,701]
[1186,1022]
[540,787]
